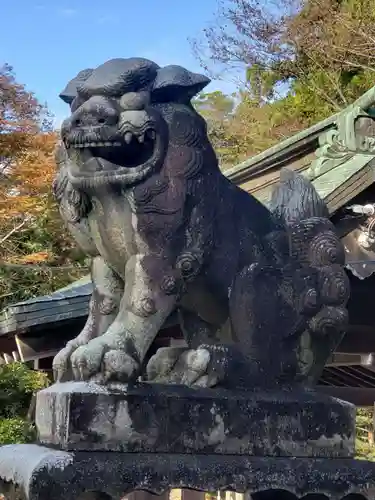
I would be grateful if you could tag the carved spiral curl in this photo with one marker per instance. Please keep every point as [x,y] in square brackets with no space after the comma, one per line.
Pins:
[334,285]
[314,241]
[144,307]
[75,204]
[330,321]
[189,264]
[169,285]
[325,249]
[309,302]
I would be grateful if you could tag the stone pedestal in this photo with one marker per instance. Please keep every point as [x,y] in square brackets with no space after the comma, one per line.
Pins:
[105,442]
[174,419]
[40,473]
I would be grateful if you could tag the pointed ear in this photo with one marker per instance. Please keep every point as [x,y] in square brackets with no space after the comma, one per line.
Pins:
[70,92]
[175,83]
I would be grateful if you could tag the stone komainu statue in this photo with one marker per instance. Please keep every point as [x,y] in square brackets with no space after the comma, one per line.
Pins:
[260,292]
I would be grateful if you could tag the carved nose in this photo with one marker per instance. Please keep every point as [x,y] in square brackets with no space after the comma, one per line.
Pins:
[94,113]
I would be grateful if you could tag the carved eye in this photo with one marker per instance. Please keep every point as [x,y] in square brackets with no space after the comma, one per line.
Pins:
[134,100]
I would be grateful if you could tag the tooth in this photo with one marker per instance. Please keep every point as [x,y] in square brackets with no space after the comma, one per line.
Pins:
[141,138]
[92,144]
[128,137]
[117,143]
[100,143]
[107,143]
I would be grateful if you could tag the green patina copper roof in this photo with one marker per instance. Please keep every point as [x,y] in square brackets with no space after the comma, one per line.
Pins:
[342,166]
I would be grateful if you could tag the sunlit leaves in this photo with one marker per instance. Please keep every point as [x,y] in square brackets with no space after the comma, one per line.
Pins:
[364,444]
[37,254]
[17,385]
[301,61]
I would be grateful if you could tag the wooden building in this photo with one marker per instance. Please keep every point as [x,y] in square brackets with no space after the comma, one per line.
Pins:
[338,155]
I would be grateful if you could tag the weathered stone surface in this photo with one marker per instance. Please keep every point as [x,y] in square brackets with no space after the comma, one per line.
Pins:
[139,186]
[175,419]
[45,474]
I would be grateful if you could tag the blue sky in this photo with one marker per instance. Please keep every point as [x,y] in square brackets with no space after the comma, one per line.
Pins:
[49,41]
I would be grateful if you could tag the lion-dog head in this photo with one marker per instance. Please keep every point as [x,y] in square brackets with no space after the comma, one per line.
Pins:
[129,117]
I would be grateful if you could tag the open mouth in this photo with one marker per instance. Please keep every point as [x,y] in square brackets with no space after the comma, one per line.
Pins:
[128,152]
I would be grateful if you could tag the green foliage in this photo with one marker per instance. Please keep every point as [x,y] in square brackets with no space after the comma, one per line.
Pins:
[17,385]
[37,255]
[365,448]
[217,109]
[302,61]
[214,105]
[15,431]
[37,260]
[25,282]
[260,82]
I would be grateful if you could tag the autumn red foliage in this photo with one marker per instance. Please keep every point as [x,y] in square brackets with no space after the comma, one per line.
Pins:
[37,254]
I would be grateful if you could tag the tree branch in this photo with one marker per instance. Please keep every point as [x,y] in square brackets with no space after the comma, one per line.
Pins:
[15,229]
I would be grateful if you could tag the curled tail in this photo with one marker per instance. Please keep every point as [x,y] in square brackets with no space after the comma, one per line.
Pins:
[289,315]
[295,199]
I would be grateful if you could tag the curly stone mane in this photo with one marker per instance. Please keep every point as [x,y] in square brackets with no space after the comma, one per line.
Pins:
[75,204]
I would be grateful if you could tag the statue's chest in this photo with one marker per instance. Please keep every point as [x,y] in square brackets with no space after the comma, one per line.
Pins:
[111,226]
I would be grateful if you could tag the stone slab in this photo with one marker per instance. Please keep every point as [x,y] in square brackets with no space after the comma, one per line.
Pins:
[39,473]
[157,418]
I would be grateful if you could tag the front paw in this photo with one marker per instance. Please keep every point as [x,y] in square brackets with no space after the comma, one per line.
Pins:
[60,364]
[100,361]
[118,366]
[87,360]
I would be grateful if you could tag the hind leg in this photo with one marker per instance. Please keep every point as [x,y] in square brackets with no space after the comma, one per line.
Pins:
[183,365]
[204,362]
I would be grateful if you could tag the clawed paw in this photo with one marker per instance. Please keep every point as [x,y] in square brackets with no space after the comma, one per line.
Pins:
[60,364]
[119,366]
[197,368]
[86,360]
[98,362]
[161,364]
[191,367]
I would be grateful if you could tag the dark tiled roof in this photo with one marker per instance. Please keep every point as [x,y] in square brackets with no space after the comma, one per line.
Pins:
[349,376]
[70,302]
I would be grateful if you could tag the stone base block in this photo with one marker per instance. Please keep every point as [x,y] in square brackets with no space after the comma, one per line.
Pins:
[175,419]
[37,473]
